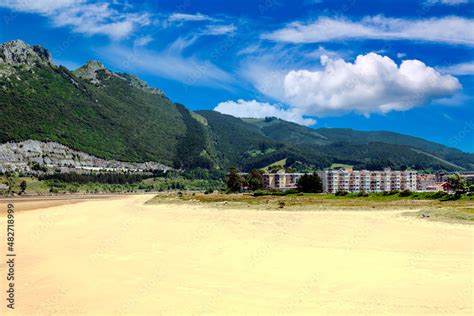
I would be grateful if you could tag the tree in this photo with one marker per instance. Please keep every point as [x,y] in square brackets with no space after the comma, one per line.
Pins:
[310,183]
[234,181]
[457,184]
[23,187]
[255,180]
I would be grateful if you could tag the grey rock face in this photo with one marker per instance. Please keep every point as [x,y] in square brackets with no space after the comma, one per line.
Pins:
[93,71]
[21,156]
[96,73]
[18,52]
[134,81]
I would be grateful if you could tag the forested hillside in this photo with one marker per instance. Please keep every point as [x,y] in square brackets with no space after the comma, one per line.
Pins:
[112,116]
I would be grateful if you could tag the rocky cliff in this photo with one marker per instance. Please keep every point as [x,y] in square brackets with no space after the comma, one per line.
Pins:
[31,155]
[18,52]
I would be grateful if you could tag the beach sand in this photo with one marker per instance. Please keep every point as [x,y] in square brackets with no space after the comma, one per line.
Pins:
[118,256]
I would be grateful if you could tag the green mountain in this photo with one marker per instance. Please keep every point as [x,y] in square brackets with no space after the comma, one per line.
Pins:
[109,115]
[274,139]
[118,116]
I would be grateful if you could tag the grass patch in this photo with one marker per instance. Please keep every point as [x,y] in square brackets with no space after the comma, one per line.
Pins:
[461,210]
[458,214]
[339,165]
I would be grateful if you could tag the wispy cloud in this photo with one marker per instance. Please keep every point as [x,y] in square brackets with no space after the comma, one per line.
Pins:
[255,109]
[186,41]
[143,40]
[462,69]
[180,17]
[83,16]
[450,30]
[167,64]
[216,29]
[446,2]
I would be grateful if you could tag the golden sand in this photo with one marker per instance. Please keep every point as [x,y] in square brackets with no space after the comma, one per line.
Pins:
[118,256]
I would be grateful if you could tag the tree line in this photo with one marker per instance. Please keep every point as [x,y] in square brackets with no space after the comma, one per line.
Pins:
[106,178]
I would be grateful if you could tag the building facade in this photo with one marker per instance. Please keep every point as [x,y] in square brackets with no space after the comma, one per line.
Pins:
[348,180]
[427,182]
[367,181]
[281,180]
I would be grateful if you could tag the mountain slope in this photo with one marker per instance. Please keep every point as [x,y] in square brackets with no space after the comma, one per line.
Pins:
[438,155]
[112,116]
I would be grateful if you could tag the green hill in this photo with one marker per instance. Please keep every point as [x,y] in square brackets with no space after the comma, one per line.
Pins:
[373,150]
[118,116]
[112,116]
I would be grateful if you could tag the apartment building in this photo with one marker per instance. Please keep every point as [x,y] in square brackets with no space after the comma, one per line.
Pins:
[367,181]
[281,180]
[349,180]
[427,182]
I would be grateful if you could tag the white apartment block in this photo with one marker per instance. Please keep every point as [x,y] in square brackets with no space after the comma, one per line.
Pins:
[348,180]
[367,181]
[281,180]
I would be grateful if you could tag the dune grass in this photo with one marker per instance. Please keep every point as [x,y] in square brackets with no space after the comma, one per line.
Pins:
[461,210]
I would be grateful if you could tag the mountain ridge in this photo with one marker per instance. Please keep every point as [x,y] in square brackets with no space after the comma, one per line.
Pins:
[118,116]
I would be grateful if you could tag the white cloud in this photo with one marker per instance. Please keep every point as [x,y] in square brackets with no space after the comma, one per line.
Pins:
[167,64]
[143,40]
[180,17]
[401,55]
[462,69]
[446,2]
[316,54]
[452,30]
[83,16]
[372,84]
[219,29]
[39,6]
[183,42]
[255,109]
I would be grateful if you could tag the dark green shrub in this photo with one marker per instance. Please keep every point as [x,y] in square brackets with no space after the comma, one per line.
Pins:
[405,193]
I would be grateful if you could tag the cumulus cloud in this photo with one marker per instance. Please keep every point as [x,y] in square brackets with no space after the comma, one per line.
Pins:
[255,109]
[452,30]
[371,84]
[83,16]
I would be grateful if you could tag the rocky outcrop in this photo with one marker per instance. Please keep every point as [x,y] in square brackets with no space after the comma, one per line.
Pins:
[135,82]
[28,155]
[18,52]
[96,73]
[93,71]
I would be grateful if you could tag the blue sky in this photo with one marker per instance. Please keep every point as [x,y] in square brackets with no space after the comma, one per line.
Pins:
[403,66]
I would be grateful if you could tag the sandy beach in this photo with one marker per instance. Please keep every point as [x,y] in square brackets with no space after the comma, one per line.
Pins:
[120,257]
